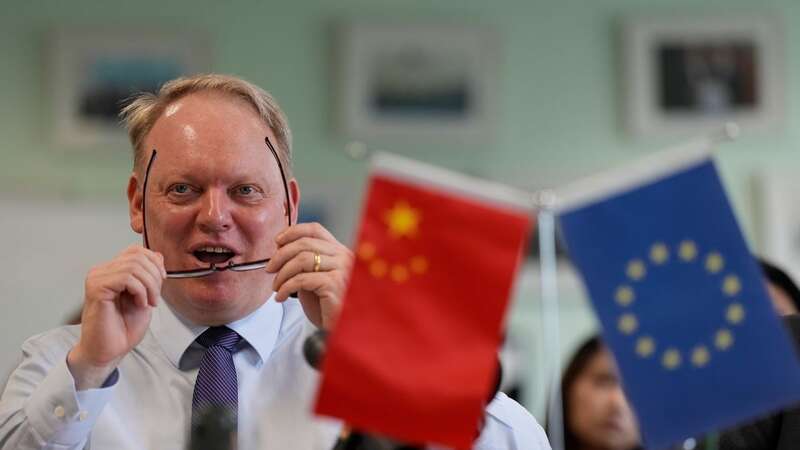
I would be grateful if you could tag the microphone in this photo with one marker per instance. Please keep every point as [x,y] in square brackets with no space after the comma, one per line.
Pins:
[314,348]
[354,440]
[214,429]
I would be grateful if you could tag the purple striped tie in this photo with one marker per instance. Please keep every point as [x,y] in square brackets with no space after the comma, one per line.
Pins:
[216,381]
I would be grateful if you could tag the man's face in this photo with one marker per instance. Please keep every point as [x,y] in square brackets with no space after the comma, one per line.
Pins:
[214,186]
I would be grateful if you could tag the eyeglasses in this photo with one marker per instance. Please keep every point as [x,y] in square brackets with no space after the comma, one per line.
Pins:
[213,267]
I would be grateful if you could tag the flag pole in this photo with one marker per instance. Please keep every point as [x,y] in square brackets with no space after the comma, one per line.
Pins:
[548,273]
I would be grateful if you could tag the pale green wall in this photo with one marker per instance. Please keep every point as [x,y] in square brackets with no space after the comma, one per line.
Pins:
[559,92]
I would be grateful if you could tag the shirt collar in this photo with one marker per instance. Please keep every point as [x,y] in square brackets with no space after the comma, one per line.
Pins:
[175,334]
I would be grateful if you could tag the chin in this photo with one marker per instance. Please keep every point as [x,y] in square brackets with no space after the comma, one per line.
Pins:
[622,443]
[210,304]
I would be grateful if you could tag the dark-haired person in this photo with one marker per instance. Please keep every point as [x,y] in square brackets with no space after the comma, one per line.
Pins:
[596,413]
[783,291]
[598,417]
[780,431]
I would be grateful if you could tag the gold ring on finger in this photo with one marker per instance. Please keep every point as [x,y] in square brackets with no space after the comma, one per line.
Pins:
[317,261]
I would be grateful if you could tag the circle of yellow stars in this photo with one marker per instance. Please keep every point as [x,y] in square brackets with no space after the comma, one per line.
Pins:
[402,222]
[645,346]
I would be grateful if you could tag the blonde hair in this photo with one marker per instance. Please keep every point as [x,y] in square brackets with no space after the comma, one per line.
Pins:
[144,110]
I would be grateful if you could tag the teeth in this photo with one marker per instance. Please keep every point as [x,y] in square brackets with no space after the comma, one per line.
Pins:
[216,250]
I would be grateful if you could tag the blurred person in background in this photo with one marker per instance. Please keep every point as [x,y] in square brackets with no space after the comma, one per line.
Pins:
[596,413]
[155,349]
[780,431]
[782,290]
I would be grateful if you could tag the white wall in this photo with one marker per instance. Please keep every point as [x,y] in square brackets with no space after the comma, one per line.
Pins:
[48,247]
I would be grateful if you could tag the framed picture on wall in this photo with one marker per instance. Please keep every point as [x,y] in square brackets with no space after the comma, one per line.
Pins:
[93,71]
[690,74]
[416,81]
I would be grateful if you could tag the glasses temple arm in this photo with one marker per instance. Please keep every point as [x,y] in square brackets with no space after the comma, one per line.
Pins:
[144,195]
[283,177]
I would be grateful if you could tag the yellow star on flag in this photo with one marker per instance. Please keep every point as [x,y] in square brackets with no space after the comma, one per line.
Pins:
[671,359]
[687,250]
[403,220]
[645,346]
[700,356]
[723,339]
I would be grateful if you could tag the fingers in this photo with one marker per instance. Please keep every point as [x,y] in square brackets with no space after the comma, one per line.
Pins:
[150,281]
[148,274]
[300,246]
[137,271]
[304,262]
[301,230]
[145,267]
[158,262]
[299,282]
[155,258]
[137,289]
[118,299]
[294,265]
[325,285]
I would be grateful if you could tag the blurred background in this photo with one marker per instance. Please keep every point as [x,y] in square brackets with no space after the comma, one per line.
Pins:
[531,93]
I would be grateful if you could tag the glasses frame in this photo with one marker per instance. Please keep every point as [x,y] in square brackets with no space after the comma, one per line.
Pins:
[213,267]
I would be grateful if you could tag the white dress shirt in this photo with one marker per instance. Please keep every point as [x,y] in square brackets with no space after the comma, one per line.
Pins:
[147,403]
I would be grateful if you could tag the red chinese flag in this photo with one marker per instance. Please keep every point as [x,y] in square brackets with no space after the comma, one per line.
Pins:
[413,355]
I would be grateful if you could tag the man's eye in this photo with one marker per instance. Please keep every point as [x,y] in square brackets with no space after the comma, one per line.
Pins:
[180,189]
[246,190]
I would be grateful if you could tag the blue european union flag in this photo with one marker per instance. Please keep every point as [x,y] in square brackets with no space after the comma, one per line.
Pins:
[682,304]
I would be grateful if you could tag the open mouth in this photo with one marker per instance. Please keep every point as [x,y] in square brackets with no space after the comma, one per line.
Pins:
[213,255]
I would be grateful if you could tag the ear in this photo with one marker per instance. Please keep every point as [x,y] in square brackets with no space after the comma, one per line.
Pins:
[135,204]
[294,195]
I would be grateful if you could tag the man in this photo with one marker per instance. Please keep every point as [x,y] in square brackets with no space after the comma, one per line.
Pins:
[182,322]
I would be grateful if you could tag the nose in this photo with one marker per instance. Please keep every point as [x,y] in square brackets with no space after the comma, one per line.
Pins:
[619,402]
[215,212]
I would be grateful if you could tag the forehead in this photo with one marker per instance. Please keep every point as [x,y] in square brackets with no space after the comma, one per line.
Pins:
[600,363]
[210,132]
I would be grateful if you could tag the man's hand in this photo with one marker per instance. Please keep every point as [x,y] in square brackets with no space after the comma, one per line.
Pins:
[320,291]
[119,297]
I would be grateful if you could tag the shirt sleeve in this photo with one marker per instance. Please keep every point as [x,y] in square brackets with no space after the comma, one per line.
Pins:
[40,407]
[509,426]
